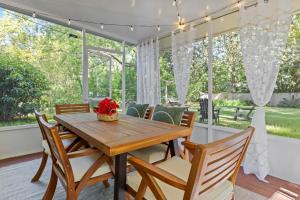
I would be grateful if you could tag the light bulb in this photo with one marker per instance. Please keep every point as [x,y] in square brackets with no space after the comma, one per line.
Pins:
[239,4]
[181,25]
[174,3]
[131,28]
[102,26]
[178,16]
[158,28]
[33,15]
[69,22]
[207,18]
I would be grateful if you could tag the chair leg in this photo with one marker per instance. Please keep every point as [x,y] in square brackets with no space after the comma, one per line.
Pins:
[71,195]
[41,168]
[51,187]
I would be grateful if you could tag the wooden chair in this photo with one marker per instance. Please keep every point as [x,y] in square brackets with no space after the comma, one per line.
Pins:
[160,152]
[68,142]
[149,112]
[211,175]
[204,111]
[77,169]
[72,108]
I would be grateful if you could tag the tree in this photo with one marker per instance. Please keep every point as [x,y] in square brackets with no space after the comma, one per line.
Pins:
[21,87]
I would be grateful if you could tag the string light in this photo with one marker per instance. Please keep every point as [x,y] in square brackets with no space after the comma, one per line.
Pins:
[174,3]
[239,4]
[207,18]
[181,25]
[178,16]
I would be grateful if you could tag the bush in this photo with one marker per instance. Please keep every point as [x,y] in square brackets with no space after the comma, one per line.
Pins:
[292,103]
[21,87]
[225,102]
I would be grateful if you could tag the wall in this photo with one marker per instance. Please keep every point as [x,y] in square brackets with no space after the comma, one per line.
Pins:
[283,152]
[19,140]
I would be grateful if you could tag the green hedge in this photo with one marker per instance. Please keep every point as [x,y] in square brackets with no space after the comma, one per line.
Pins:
[21,87]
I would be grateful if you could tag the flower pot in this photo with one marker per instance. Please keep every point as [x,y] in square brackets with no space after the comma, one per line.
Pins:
[108,118]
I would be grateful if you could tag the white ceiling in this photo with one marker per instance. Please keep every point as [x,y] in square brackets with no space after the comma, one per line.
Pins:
[144,12]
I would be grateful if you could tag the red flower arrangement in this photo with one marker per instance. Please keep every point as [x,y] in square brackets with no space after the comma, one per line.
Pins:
[107,106]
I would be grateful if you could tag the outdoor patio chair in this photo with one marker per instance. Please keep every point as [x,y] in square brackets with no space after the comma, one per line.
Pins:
[211,175]
[204,111]
[77,169]
[149,112]
[160,152]
[71,108]
[69,142]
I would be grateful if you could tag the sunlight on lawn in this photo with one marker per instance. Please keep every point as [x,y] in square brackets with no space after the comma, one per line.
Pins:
[280,121]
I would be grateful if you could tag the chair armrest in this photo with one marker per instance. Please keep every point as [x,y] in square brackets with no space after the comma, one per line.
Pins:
[191,147]
[158,173]
[67,135]
[84,152]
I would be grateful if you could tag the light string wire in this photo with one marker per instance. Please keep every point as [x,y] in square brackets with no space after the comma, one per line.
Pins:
[180,21]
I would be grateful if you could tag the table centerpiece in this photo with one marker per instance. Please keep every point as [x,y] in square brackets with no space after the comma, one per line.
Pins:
[107,110]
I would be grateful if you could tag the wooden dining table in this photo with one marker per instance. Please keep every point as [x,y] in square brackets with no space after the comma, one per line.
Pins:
[118,138]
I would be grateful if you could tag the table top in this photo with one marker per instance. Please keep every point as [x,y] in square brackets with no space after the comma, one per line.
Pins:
[125,135]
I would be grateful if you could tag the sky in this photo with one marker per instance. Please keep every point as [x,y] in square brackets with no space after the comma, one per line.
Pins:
[1,12]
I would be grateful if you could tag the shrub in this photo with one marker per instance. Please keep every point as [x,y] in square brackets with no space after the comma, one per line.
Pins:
[292,103]
[21,87]
[225,102]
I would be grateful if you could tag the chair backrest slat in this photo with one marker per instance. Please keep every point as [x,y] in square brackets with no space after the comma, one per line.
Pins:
[188,119]
[72,108]
[149,112]
[217,162]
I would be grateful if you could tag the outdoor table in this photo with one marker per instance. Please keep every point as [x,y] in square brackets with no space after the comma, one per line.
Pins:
[120,137]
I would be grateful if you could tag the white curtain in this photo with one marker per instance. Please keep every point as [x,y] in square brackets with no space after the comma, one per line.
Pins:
[148,72]
[264,31]
[182,56]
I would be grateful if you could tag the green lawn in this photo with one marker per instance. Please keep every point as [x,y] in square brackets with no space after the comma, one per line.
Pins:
[280,121]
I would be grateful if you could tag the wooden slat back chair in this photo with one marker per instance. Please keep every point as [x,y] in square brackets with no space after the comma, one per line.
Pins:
[77,169]
[66,136]
[187,120]
[149,112]
[72,108]
[204,111]
[160,152]
[211,175]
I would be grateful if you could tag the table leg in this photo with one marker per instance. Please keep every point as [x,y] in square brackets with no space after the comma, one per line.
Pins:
[174,148]
[120,176]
